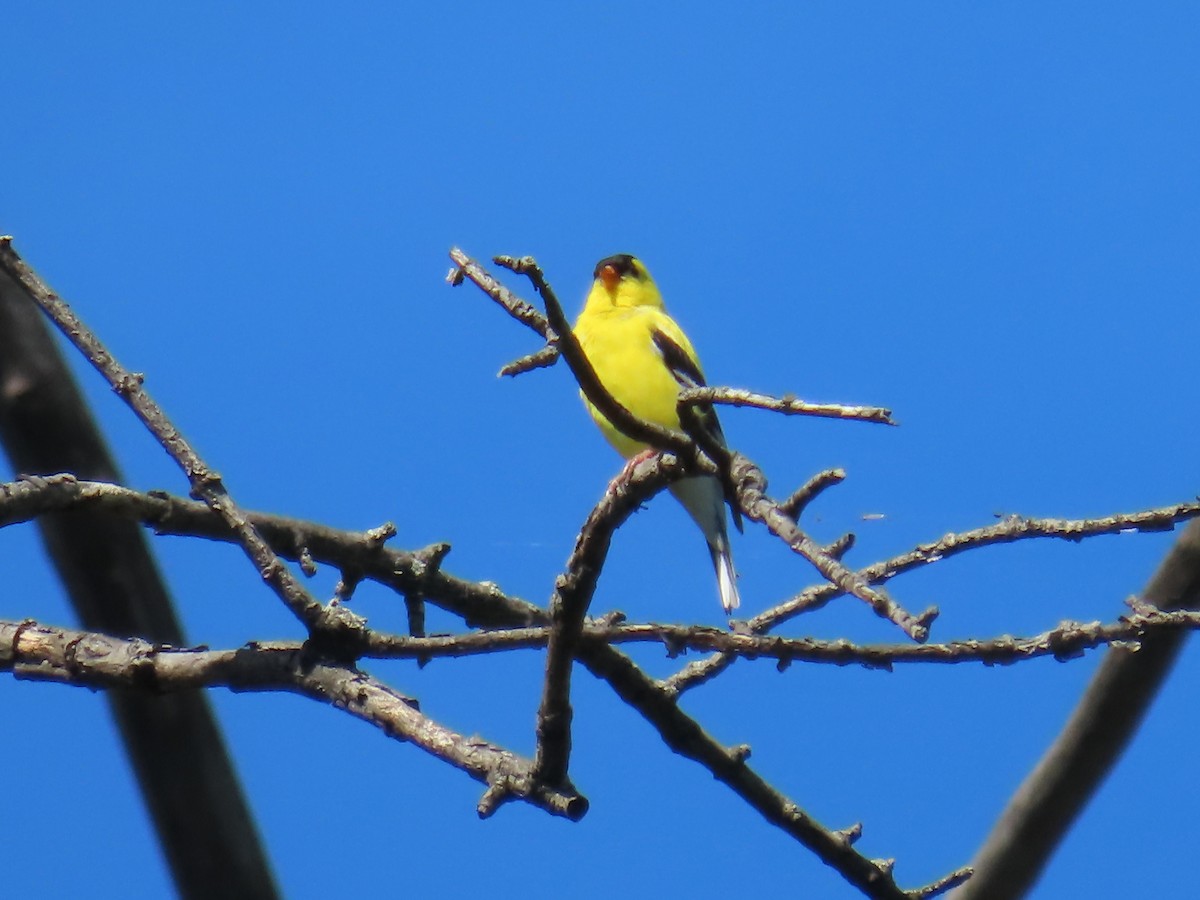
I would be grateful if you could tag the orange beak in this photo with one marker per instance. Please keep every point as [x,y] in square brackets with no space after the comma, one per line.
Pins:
[610,277]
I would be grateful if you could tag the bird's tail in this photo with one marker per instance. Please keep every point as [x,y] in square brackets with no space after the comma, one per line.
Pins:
[704,499]
[726,577]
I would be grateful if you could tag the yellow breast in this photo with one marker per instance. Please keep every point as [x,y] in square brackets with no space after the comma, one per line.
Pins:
[618,343]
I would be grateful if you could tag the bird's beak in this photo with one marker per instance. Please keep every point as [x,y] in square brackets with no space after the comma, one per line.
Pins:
[610,276]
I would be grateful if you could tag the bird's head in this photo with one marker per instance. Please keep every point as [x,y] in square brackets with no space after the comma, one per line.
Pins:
[623,280]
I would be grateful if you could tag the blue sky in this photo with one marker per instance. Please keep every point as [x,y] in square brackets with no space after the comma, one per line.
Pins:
[984,218]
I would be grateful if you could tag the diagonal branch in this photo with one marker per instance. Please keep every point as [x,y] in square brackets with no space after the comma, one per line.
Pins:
[686,737]
[519,309]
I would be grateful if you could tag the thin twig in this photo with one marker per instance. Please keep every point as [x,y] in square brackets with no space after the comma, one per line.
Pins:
[1011,529]
[539,359]
[521,310]
[1066,641]
[788,405]
[943,884]
[799,501]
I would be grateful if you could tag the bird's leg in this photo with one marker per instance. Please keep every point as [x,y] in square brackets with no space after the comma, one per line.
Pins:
[626,473]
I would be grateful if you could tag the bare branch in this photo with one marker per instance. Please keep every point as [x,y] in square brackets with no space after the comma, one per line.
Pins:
[21,501]
[946,883]
[407,572]
[486,604]
[1011,529]
[795,505]
[539,359]
[686,737]
[480,604]
[573,592]
[521,310]
[1065,641]
[788,405]
[758,506]
[42,653]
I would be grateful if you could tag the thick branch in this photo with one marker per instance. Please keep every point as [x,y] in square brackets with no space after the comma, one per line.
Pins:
[573,591]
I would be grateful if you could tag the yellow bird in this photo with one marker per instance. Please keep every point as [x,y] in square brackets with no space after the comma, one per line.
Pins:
[644,359]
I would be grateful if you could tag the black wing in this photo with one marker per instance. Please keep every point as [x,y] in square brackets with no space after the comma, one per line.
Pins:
[688,375]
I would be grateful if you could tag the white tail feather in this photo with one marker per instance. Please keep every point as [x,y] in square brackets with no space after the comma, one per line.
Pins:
[726,580]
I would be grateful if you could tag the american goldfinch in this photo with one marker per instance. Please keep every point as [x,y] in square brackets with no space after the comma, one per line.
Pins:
[644,359]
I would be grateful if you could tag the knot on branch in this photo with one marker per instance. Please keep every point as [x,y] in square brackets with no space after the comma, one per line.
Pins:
[849,836]
[128,383]
[338,634]
[376,537]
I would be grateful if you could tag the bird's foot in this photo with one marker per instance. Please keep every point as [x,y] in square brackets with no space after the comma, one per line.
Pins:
[626,472]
